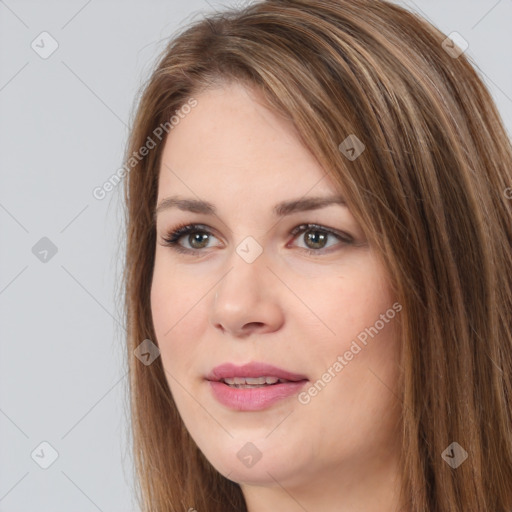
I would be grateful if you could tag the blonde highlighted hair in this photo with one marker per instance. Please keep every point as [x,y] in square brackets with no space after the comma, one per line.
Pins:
[430,192]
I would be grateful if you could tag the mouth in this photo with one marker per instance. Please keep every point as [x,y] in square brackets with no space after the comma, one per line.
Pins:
[252,382]
[253,386]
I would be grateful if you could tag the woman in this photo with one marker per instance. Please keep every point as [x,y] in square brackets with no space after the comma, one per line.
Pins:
[319,235]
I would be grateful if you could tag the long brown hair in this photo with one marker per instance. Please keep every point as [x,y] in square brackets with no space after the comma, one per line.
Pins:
[430,190]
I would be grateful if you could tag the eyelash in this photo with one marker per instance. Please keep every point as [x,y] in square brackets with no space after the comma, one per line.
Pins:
[173,237]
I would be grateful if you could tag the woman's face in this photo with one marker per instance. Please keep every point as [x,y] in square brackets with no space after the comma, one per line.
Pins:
[250,286]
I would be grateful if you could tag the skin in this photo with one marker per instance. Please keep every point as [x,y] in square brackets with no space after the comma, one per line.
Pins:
[289,308]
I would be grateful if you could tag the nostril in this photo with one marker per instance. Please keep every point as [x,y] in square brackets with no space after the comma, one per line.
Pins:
[253,325]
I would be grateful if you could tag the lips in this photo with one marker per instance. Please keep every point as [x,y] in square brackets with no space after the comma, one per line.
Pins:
[254,386]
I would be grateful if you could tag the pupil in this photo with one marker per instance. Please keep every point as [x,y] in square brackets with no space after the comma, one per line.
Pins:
[318,240]
[198,237]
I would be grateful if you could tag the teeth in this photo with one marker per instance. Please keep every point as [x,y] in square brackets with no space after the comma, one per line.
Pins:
[252,381]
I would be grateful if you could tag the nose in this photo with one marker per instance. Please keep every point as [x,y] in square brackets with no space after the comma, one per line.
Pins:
[247,299]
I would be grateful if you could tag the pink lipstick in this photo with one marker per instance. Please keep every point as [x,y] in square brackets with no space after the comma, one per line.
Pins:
[254,386]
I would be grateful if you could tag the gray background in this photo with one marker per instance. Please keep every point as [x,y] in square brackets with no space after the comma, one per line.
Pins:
[63,127]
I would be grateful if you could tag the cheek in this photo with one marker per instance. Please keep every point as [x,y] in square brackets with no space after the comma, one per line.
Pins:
[178,315]
[163,288]
[369,298]
[355,370]
[347,302]
[351,308]
[171,295]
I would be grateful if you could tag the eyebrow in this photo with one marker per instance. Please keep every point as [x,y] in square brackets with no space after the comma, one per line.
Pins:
[280,210]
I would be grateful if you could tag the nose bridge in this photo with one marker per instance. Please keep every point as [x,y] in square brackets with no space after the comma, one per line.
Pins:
[248,264]
[244,296]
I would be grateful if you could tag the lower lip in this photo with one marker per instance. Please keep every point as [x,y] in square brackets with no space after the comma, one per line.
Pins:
[254,399]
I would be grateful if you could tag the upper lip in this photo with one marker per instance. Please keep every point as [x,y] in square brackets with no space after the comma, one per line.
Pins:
[254,369]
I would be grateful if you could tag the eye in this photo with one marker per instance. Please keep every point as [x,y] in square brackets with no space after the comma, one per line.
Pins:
[198,236]
[316,238]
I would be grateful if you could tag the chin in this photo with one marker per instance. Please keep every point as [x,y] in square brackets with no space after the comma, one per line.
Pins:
[246,465]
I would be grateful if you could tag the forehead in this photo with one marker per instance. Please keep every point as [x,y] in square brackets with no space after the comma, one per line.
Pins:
[232,145]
